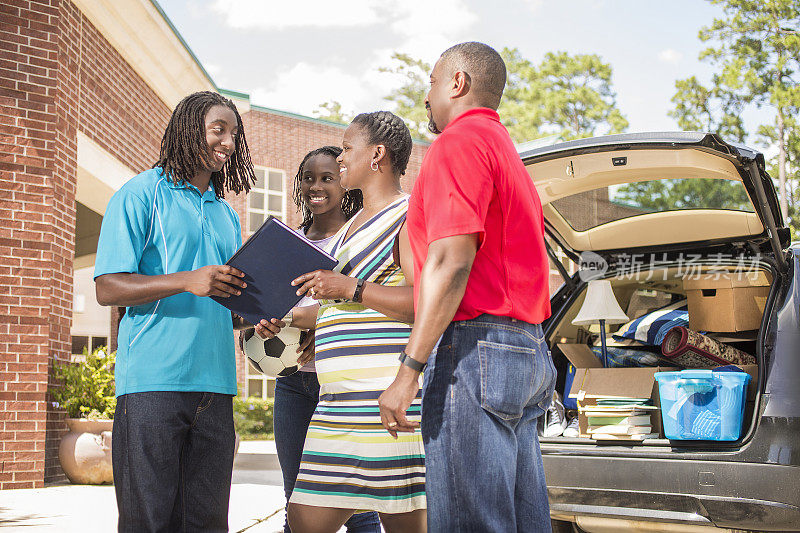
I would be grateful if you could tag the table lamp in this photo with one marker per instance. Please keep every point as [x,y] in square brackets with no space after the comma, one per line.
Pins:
[600,306]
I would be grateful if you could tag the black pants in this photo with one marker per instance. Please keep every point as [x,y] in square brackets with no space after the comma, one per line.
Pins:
[173,459]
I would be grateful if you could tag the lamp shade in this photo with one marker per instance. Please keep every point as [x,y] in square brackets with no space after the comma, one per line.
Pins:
[600,304]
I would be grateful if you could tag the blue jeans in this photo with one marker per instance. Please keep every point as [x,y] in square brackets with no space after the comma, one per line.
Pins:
[172,454]
[486,384]
[296,397]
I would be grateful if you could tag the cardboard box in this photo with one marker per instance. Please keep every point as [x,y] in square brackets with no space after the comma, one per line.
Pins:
[592,381]
[726,301]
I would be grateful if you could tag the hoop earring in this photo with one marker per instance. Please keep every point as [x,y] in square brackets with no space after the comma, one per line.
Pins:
[374,165]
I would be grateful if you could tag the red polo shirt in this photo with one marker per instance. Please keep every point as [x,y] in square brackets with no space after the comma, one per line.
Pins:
[473,181]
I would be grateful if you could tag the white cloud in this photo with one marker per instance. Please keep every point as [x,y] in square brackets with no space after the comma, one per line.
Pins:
[534,5]
[428,27]
[670,56]
[420,28]
[425,27]
[280,15]
[304,87]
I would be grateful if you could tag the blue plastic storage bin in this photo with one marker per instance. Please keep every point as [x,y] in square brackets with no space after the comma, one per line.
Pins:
[702,404]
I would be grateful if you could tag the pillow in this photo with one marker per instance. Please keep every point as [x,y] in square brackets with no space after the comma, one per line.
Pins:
[652,327]
[627,357]
[620,343]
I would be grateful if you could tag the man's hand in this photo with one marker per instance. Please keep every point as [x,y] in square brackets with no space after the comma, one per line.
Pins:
[306,349]
[325,284]
[266,329]
[396,399]
[215,280]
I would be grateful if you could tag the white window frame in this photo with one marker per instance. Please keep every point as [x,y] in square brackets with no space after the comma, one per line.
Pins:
[267,192]
[91,337]
[267,383]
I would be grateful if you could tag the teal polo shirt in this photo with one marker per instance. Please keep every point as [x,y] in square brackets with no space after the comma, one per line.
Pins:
[183,342]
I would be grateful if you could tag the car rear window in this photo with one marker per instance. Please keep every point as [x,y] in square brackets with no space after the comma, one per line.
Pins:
[593,208]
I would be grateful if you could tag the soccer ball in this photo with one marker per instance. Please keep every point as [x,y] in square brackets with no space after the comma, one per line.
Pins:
[275,357]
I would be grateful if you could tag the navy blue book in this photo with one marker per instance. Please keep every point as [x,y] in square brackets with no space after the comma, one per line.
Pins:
[270,259]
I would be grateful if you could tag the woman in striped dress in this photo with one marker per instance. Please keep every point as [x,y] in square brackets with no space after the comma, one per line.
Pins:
[349,461]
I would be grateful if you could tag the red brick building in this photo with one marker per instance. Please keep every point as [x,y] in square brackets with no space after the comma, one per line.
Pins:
[86,90]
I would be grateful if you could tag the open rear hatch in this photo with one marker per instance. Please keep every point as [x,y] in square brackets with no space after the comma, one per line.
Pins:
[656,191]
[669,194]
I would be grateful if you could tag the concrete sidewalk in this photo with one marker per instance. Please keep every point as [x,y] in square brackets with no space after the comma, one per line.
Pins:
[256,504]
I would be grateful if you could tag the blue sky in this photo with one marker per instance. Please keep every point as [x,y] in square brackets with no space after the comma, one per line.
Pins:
[297,55]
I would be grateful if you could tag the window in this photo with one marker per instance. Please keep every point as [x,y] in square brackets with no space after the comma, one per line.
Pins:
[79,344]
[257,384]
[267,197]
[86,342]
[589,209]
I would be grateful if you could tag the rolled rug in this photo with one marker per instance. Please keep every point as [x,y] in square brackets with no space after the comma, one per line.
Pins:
[690,349]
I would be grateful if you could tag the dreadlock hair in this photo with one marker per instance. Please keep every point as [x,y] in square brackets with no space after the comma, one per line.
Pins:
[184,150]
[351,202]
[388,129]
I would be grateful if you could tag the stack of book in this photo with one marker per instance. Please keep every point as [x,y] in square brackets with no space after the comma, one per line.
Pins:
[619,419]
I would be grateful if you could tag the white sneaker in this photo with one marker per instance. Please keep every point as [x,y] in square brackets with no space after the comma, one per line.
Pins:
[572,430]
[554,418]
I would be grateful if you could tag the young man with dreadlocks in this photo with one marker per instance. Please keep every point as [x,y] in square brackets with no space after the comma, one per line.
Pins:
[165,237]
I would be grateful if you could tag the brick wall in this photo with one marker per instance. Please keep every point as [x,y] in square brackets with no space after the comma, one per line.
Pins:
[118,110]
[280,142]
[31,245]
[57,75]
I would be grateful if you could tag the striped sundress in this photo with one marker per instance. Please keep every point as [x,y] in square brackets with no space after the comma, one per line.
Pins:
[349,460]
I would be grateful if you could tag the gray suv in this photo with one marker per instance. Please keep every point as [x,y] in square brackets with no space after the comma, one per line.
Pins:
[675,197]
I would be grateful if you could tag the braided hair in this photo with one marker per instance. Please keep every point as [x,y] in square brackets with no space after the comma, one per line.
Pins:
[184,150]
[351,202]
[389,130]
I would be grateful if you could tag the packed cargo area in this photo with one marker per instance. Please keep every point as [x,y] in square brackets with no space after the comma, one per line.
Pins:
[703,321]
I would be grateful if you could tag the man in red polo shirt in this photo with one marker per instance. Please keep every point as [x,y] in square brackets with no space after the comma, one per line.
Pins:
[481,290]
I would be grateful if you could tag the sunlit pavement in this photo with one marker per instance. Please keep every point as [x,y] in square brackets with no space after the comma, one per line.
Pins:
[256,500]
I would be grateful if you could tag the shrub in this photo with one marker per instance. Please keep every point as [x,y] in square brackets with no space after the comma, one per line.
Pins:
[252,417]
[88,385]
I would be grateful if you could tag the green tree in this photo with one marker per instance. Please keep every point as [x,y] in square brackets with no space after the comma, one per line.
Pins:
[755,47]
[576,96]
[697,193]
[520,108]
[769,136]
[698,108]
[568,95]
[409,96]
[332,111]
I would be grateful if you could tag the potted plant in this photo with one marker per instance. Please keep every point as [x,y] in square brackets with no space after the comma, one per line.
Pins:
[87,394]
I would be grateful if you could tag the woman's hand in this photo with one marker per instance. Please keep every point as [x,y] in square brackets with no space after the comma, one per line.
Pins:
[266,329]
[306,348]
[325,284]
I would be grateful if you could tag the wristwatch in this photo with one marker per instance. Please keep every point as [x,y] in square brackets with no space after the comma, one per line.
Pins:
[410,362]
[359,290]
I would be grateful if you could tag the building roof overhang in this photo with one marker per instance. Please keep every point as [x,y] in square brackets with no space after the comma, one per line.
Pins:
[143,35]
